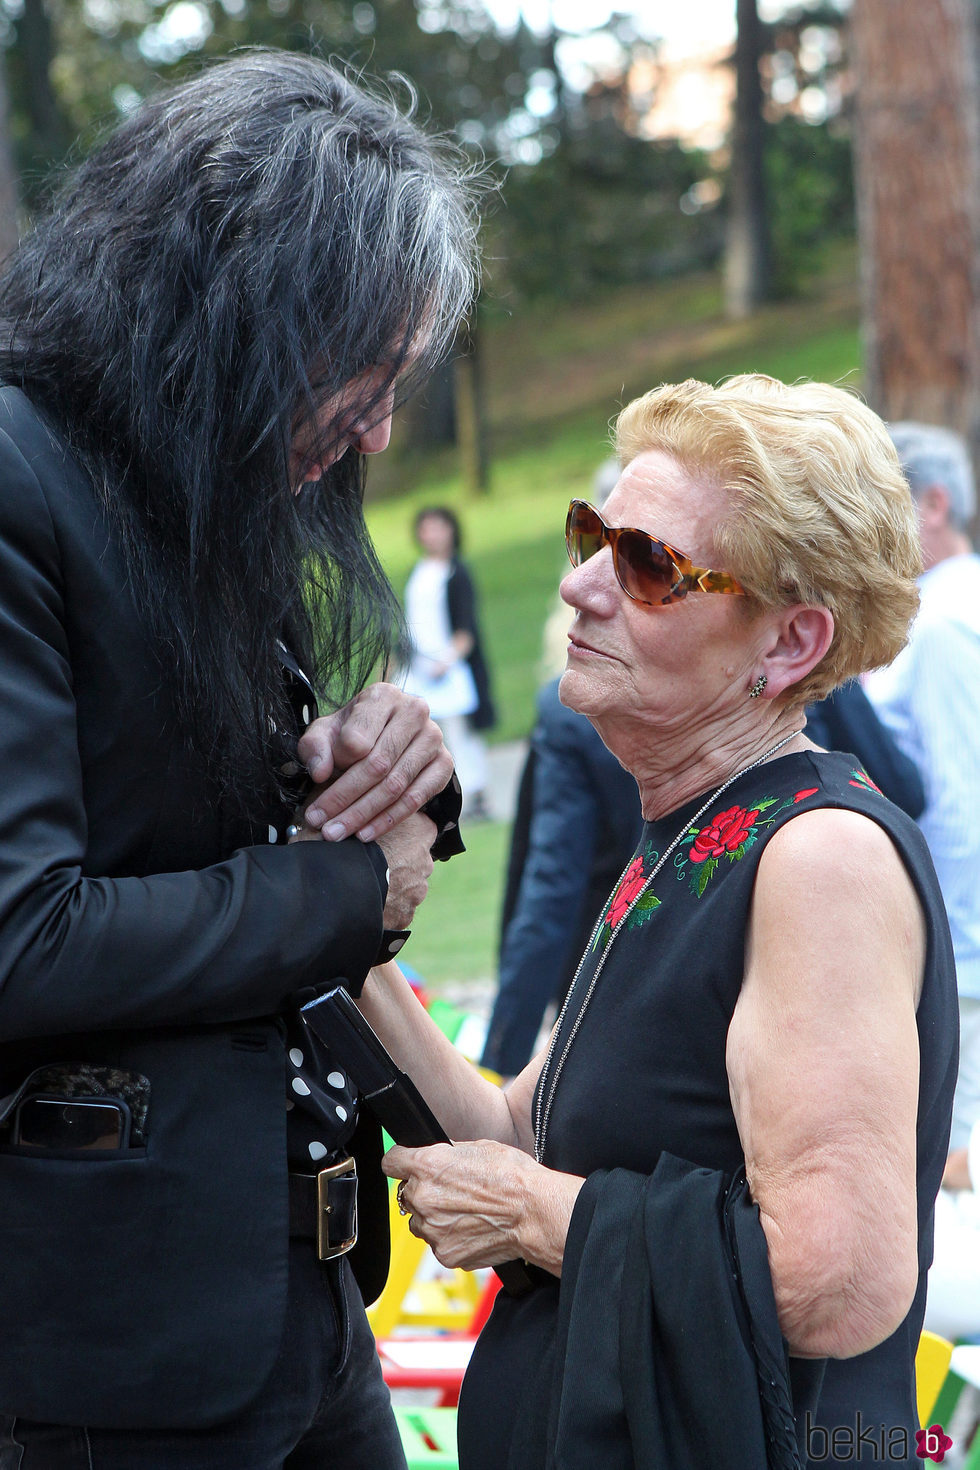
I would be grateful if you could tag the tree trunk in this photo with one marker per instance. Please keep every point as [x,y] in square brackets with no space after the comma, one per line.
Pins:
[34,33]
[429,419]
[916,160]
[471,428]
[9,191]
[747,262]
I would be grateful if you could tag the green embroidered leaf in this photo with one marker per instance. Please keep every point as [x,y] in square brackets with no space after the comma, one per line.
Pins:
[738,854]
[763,806]
[647,903]
[704,877]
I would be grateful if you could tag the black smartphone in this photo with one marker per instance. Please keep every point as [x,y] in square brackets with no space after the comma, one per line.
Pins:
[62,1123]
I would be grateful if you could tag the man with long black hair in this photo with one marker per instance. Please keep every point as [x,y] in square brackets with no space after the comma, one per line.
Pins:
[199,344]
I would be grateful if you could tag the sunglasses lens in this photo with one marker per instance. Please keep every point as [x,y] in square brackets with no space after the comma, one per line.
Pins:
[644,568]
[583,533]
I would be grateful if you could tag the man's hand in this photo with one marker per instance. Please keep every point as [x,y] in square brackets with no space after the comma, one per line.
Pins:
[375,762]
[406,851]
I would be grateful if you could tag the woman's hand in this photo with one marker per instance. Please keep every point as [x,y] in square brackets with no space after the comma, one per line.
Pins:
[375,761]
[407,853]
[480,1203]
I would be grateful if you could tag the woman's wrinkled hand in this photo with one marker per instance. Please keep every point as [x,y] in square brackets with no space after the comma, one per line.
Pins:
[480,1203]
[407,853]
[374,762]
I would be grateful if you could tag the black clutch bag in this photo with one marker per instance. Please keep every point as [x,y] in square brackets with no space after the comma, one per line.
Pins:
[391,1095]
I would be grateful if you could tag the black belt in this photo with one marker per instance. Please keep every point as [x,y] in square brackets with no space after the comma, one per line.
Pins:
[323,1207]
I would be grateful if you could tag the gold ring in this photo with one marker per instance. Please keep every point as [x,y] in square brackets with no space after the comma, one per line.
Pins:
[400,1198]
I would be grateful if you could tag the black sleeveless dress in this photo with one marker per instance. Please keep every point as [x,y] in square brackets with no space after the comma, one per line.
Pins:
[647,1074]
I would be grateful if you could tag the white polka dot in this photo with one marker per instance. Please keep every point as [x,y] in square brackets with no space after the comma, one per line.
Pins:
[300,1086]
[306,714]
[387,875]
[395,946]
[273,835]
[336,1079]
[295,1056]
[341,1113]
[318,1150]
[289,1105]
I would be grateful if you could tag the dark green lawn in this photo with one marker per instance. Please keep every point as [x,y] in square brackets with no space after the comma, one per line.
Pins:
[556,377]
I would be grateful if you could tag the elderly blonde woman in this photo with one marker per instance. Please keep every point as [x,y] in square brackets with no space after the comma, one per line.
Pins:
[723,1169]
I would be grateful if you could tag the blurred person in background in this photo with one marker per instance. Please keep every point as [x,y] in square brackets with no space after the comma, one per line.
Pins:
[724,1168]
[846,721]
[929,698]
[575,825]
[953,1300]
[202,340]
[445,660]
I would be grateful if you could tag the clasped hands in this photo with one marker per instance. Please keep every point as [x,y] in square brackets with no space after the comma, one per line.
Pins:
[374,763]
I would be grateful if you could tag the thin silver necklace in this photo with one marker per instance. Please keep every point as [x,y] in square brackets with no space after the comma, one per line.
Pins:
[546,1082]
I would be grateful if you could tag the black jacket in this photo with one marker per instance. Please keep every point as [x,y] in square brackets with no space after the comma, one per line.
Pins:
[144,925]
[668,1348]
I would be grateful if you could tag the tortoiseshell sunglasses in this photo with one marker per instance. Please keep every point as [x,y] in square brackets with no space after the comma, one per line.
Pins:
[648,570]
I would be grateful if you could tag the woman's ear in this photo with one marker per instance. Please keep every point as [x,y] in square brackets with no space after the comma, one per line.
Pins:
[800,637]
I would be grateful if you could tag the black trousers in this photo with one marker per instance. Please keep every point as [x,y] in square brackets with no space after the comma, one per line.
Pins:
[325,1406]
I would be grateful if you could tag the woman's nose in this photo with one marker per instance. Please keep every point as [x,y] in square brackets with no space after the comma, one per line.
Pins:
[592,586]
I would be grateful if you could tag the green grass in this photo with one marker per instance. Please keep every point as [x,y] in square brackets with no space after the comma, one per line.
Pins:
[514,546]
[454,936]
[555,378]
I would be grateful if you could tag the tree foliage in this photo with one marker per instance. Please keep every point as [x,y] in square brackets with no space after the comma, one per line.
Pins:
[587,200]
[602,209]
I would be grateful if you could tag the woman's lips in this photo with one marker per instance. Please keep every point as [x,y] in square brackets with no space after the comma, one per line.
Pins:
[579,646]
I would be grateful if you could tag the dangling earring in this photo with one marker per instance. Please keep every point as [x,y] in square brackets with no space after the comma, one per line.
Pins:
[758,686]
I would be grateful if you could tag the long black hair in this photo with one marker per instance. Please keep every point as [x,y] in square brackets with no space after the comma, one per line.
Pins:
[232,257]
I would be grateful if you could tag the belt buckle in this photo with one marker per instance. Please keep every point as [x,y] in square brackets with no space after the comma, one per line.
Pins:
[325,1251]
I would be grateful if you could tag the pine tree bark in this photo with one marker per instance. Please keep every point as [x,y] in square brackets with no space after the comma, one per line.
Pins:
[916,161]
[37,45]
[9,186]
[747,251]
[471,425]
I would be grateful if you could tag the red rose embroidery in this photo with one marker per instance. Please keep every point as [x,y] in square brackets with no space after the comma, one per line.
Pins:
[724,833]
[629,886]
[802,795]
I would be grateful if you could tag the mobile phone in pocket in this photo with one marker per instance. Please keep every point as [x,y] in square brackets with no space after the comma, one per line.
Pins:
[51,1122]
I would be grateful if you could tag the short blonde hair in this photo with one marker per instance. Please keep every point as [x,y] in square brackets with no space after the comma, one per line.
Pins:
[821,512]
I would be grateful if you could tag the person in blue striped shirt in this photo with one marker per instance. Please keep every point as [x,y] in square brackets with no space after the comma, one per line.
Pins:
[930,700]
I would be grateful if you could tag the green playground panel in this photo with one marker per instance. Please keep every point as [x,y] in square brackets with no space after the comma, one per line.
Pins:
[448,1018]
[428,1437]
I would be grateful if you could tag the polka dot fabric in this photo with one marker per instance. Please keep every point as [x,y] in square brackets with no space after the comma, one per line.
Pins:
[321,1100]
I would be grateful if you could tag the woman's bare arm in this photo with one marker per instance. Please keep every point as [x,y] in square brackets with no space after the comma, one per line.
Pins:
[484,1200]
[467,1105]
[823,1065]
